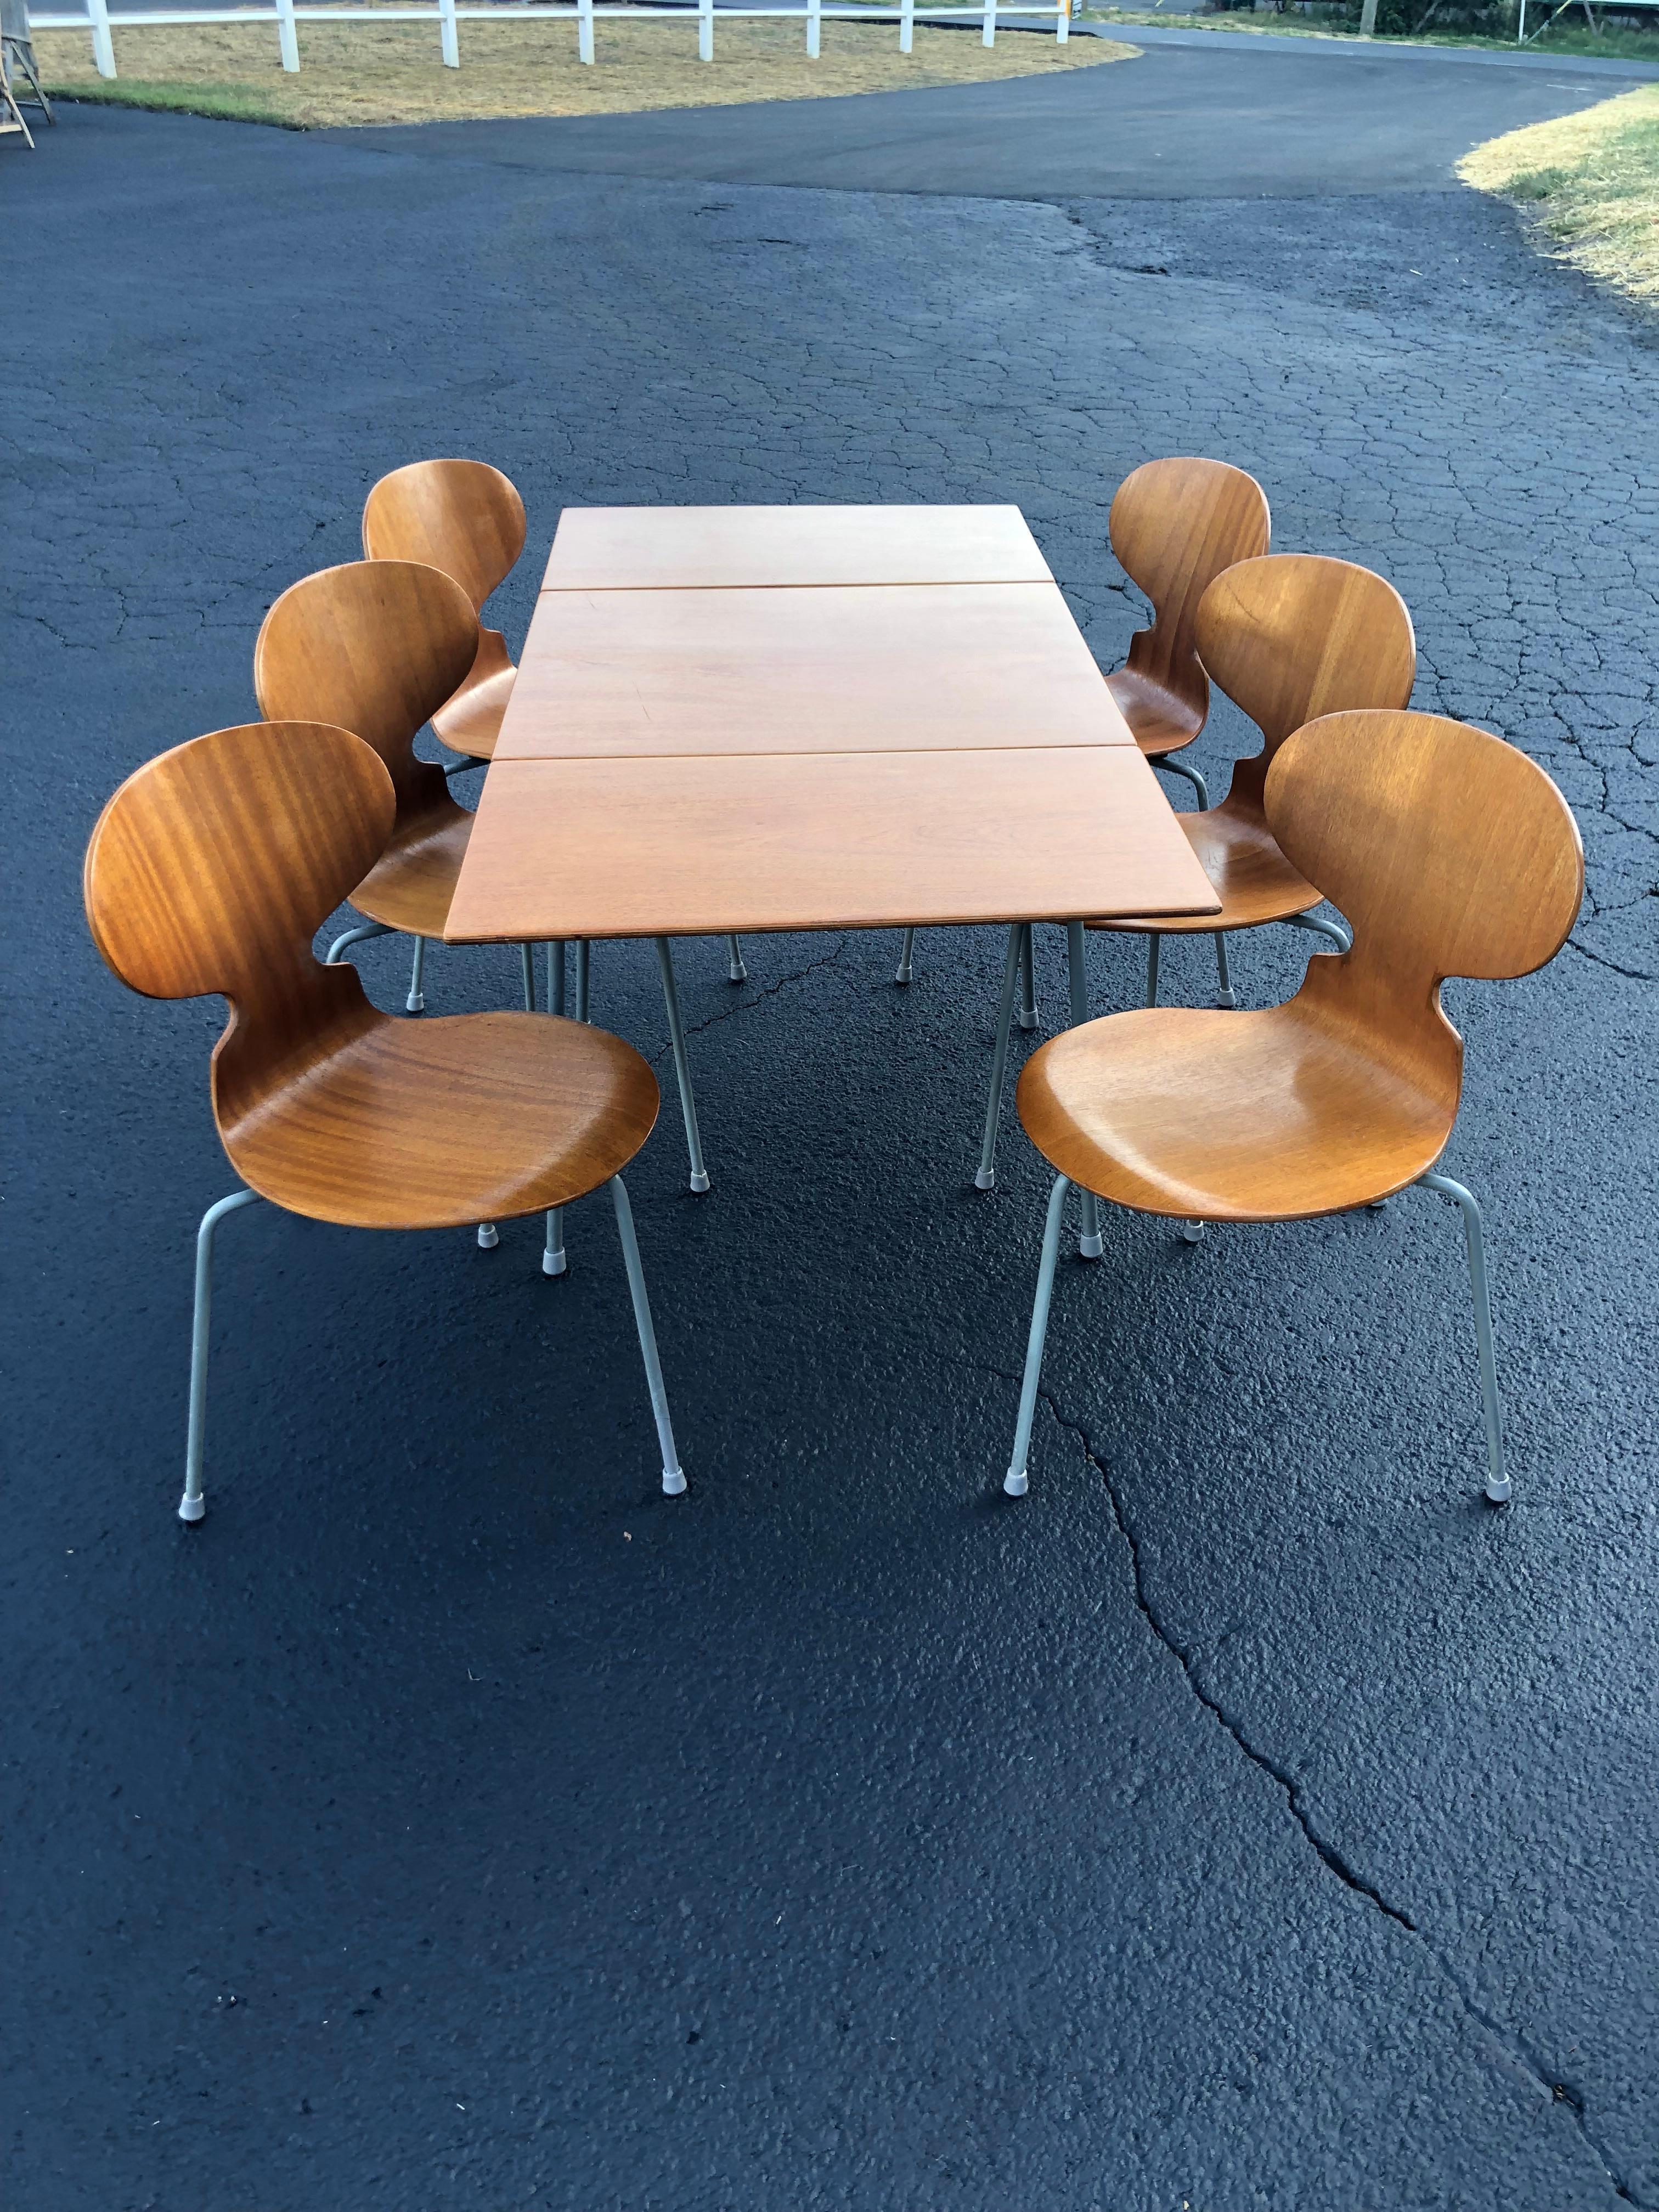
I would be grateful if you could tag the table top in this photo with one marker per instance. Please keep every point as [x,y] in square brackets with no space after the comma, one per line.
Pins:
[837,668]
[656,548]
[698,844]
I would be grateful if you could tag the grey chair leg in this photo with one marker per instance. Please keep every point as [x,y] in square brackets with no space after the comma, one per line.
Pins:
[1028,1005]
[1170,766]
[1090,1243]
[554,1262]
[417,1000]
[681,1066]
[529,959]
[191,1506]
[555,976]
[1224,995]
[363,930]
[1017,1481]
[1497,1481]
[673,1477]
[736,972]
[1154,945]
[1337,934]
[987,1176]
[584,954]
[905,951]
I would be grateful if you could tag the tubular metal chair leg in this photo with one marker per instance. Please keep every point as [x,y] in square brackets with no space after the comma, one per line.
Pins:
[1017,1481]
[1339,936]
[1154,945]
[1028,1005]
[987,1176]
[1170,766]
[1223,996]
[673,1479]
[1497,1482]
[908,947]
[191,1506]
[529,979]
[555,974]
[417,1000]
[553,1259]
[584,951]
[681,1066]
[734,968]
[1089,1244]
[354,937]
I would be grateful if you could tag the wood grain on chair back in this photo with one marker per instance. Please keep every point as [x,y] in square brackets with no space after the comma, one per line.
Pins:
[1176,525]
[1296,635]
[463,517]
[213,867]
[376,647]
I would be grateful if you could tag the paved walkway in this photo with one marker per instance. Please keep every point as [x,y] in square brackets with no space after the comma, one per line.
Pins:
[1248,1818]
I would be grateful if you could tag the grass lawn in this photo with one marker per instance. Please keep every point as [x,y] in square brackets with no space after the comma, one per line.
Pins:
[1621,43]
[1593,179]
[369,74]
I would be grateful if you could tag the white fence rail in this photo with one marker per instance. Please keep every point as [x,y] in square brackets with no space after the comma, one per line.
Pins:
[447,13]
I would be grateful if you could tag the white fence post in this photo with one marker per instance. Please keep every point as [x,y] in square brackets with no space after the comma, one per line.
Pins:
[987,37]
[705,30]
[103,47]
[814,20]
[287,38]
[907,25]
[448,44]
[1063,23]
[584,32]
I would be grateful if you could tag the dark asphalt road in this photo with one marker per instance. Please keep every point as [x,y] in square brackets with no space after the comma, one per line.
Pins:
[1226,118]
[1248,1818]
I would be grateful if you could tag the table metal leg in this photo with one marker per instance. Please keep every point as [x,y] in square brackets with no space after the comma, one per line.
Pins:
[1089,1244]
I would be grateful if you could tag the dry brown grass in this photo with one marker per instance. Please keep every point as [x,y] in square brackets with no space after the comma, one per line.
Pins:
[1593,178]
[360,74]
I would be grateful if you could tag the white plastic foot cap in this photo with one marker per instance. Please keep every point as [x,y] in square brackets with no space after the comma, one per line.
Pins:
[192,1508]
[737,973]
[554,1263]
[1226,1000]
[1015,1482]
[1028,1019]
[699,1179]
[488,1236]
[1497,1491]
[1376,1205]
[1090,1248]
[985,1179]
[416,1002]
[673,1482]
[1193,1231]
[904,976]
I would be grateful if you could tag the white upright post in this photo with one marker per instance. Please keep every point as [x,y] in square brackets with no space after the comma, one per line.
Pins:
[705,30]
[584,32]
[288,38]
[907,25]
[814,20]
[448,44]
[987,37]
[103,47]
[1063,23]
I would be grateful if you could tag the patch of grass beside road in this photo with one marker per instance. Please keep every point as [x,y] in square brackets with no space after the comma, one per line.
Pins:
[391,73]
[1593,181]
[1621,43]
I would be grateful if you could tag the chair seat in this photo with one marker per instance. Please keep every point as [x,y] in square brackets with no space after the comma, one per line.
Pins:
[1269,1116]
[438,1123]
[410,887]
[1253,880]
[1158,722]
[470,722]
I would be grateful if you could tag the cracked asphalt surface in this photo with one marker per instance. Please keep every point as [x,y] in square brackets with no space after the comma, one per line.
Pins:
[1249,1816]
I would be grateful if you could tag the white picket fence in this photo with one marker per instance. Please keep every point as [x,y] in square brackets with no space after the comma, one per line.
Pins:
[98,21]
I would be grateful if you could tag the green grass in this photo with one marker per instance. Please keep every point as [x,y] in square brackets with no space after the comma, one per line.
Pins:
[226,103]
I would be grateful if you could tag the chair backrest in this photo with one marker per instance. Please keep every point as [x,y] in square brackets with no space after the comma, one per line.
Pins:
[212,869]
[463,517]
[374,647]
[1176,525]
[1296,635]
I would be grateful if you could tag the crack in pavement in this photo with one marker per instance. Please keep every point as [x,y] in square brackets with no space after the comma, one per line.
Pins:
[1514,2047]
[753,999]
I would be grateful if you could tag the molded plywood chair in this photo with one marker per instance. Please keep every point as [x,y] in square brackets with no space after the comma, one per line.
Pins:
[1452,854]
[210,870]
[1288,638]
[467,519]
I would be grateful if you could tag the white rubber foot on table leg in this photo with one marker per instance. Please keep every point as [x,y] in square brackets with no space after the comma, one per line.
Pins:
[736,972]
[985,1179]
[1375,1205]
[554,1263]
[673,1482]
[904,976]
[1090,1248]
[1193,1231]
[1498,1493]
[1015,1482]
[1226,1000]
[1030,1021]
[416,1002]
[488,1236]
[192,1508]
[699,1180]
